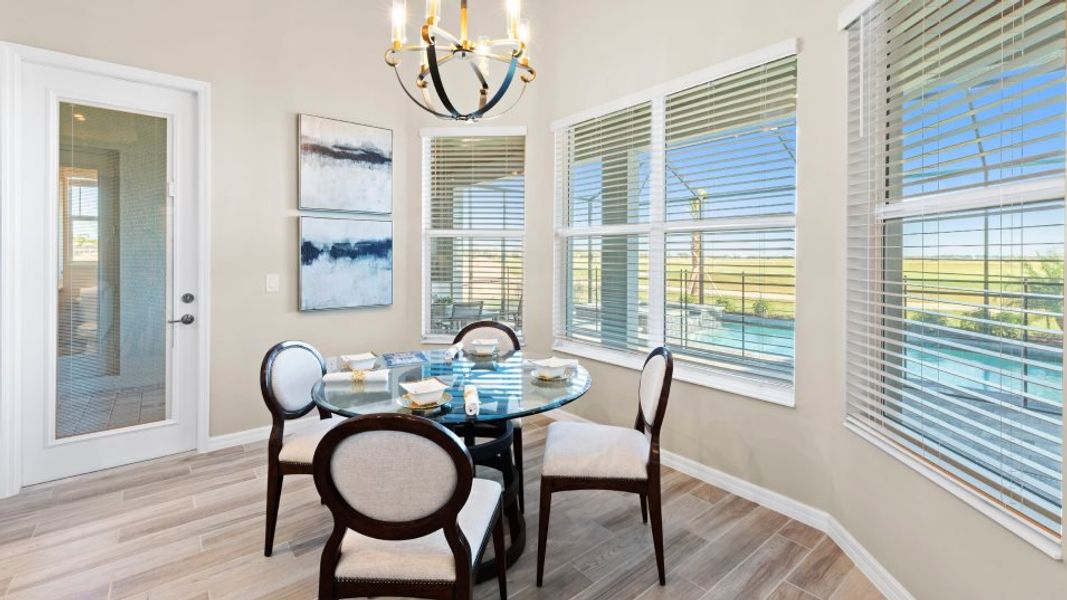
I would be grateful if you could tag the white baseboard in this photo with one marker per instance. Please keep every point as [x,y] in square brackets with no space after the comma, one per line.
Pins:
[257,434]
[809,515]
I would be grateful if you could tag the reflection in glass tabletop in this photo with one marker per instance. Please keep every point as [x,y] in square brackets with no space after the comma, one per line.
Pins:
[506,386]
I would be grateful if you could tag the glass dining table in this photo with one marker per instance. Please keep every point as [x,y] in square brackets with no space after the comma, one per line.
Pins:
[507,390]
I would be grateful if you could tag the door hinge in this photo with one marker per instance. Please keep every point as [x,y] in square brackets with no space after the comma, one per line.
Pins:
[171,189]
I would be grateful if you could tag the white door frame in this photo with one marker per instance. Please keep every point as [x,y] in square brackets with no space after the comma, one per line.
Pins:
[12,58]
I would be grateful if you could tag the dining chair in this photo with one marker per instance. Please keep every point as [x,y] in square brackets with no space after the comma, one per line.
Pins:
[466,312]
[590,456]
[507,342]
[410,519]
[289,371]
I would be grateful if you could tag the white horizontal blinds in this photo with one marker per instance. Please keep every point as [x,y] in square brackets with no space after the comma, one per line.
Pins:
[477,182]
[731,145]
[974,94]
[608,167]
[474,230]
[730,300]
[955,262]
[731,176]
[605,164]
[607,290]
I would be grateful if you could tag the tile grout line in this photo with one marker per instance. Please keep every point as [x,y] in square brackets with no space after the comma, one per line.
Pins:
[785,578]
[825,539]
[750,555]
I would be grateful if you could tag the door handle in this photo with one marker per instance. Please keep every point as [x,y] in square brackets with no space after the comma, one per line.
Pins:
[184,320]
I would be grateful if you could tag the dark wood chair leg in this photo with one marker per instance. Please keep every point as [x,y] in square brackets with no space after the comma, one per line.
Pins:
[657,530]
[500,554]
[644,508]
[274,498]
[542,528]
[517,443]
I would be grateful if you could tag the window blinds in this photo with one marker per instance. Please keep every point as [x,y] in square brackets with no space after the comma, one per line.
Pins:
[475,218]
[731,145]
[955,242]
[605,186]
[731,172]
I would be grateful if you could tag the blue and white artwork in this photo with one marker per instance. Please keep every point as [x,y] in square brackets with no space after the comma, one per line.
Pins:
[345,263]
[345,166]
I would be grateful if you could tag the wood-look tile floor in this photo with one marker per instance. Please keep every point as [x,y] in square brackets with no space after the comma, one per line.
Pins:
[191,527]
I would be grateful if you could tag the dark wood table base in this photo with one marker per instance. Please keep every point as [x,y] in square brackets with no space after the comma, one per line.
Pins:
[497,454]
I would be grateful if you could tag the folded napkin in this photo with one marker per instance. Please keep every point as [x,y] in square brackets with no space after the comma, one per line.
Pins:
[454,350]
[471,404]
[361,376]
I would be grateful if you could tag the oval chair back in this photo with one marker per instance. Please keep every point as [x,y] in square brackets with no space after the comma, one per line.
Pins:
[506,339]
[654,391]
[289,371]
[394,477]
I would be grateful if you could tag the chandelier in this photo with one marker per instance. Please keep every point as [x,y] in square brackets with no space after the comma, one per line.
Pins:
[437,47]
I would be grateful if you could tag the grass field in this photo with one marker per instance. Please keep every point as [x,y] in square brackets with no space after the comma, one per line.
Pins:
[999,297]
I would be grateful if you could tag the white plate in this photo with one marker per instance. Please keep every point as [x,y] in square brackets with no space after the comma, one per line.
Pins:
[405,401]
[359,362]
[553,368]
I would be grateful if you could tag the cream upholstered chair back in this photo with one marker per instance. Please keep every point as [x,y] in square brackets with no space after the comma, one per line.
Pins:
[393,476]
[290,369]
[655,388]
[506,339]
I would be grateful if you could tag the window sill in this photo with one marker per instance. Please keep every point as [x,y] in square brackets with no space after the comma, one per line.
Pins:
[780,395]
[437,340]
[1052,546]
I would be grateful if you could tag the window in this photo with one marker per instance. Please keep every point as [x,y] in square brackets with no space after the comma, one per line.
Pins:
[677,225]
[955,246]
[474,221]
[79,192]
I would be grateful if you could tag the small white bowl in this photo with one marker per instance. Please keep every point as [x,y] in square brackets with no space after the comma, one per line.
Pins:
[552,368]
[483,346]
[359,362]
[425,392]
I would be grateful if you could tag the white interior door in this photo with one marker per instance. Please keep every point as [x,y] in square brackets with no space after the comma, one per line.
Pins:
[108,250]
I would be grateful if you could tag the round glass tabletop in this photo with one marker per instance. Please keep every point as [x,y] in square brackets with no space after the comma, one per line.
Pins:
[506,386]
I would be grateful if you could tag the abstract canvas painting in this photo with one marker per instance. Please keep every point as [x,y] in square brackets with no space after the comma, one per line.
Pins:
[345,166]
[345,263]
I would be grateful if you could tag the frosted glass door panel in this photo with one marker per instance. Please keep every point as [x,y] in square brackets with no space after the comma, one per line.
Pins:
[112,290]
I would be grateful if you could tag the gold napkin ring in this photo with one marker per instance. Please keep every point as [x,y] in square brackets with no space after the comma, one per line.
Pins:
[359,376]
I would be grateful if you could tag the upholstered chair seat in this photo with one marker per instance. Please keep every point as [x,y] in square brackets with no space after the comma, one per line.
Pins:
[591,451]
[428,558]
[299,448]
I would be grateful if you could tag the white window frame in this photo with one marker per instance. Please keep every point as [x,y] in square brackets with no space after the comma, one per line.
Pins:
[427,234]
[1024,192]
[656,230]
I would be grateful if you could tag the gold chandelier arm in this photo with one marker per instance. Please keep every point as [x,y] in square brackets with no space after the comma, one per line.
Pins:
[428,107]
[432,32]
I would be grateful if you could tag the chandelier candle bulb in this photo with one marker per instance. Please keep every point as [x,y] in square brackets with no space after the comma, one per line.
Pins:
[400,17]
[431,12]
[514,10]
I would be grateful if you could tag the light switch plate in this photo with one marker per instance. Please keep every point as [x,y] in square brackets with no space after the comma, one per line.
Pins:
[272,283]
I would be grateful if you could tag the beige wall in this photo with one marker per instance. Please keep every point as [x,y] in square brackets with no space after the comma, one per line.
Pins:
[267,60]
